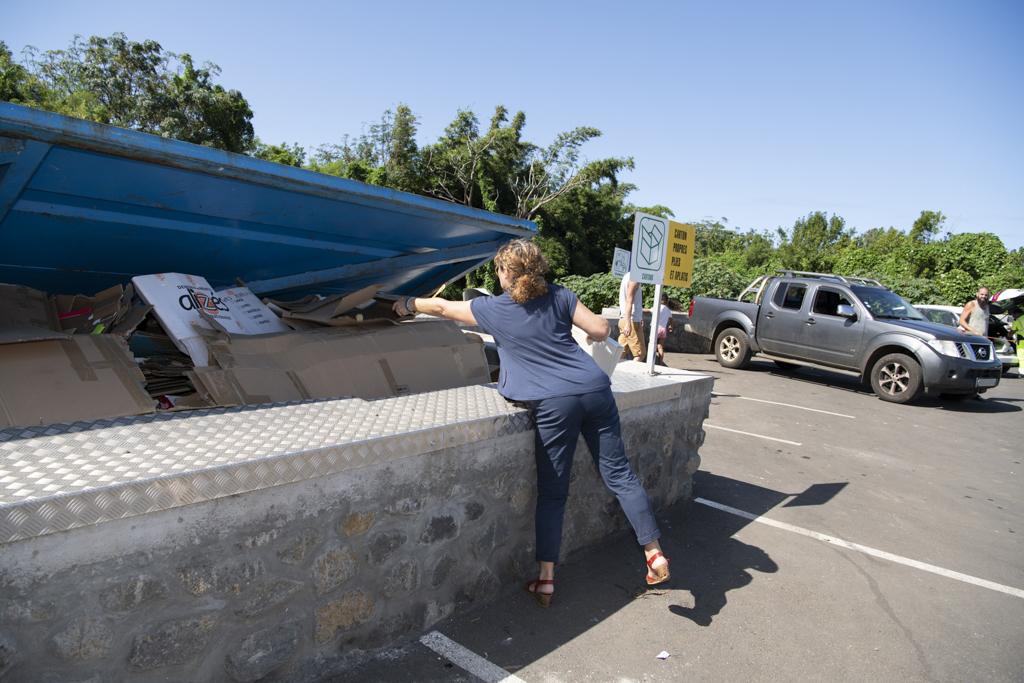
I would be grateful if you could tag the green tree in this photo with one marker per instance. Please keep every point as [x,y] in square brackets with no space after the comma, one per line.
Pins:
[134,85]
[928,226]
[815,243]
[289,155]
[204,113]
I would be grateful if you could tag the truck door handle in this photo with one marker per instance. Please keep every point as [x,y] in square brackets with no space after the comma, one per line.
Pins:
[809,321]
[769,314]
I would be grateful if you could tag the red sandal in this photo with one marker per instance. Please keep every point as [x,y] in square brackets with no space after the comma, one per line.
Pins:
[543,599]
[661,573]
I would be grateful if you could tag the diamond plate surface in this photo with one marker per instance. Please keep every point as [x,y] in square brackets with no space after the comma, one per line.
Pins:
[59,477]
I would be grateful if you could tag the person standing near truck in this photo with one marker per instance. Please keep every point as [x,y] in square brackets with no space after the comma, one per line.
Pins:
[974,317]
[631,319]
[664,318]
[568,394]
[1018,330]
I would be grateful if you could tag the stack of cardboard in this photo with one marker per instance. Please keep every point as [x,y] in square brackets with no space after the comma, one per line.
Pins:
[48,375]
[67,358]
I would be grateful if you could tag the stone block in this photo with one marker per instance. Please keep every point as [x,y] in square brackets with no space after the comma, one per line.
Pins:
[405,577]
[594,531]
[383,545]
[439,528]
[173,642]
[442,569]
[333,568]
[522,563]
[200,576]
[358,523]
[260,540]
[262,652]
[388,631]
[495,535]
[520,496]
[499,483]
[406,506]
[474,510]
[269,596]
[350,610]
[85,638]
[132,593]
[29,611]
[299,549]
[485,586]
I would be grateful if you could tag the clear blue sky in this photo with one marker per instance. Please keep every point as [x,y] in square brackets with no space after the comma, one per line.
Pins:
[754,111]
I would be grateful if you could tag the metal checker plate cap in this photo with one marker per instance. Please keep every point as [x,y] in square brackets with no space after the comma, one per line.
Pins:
[59,477]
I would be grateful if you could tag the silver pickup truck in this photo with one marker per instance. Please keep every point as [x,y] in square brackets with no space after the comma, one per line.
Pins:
[848,325]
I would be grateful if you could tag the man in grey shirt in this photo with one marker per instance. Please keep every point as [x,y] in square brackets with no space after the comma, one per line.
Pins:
[974,317]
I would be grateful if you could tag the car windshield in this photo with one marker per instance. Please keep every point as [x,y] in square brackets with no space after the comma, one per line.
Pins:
[885,304]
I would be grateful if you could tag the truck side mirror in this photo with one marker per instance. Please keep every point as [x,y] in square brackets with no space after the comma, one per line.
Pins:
[845,311]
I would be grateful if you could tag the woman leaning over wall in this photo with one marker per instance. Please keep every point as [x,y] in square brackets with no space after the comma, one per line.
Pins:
[568,394]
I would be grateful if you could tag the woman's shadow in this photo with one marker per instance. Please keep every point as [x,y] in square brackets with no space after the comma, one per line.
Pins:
[717,573]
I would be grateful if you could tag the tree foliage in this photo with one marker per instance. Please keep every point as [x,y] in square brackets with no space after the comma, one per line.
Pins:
[134,85]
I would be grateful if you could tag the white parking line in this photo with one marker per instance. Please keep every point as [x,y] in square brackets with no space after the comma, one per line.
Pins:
[966,578]
[788,405]
[467,659]
[760,436]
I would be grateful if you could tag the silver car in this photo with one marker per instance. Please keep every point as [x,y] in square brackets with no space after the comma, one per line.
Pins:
[1006,352]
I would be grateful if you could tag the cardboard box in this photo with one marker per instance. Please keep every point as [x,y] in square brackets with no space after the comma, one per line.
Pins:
[81,377]
[341,361]
[187,306]
[24,306]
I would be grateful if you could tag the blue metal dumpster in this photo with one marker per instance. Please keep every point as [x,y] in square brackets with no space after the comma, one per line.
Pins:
[84,206]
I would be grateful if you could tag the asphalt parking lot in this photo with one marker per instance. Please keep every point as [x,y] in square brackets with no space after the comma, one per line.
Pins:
[832,536]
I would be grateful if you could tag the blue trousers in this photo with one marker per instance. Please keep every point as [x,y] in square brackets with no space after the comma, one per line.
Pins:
[559,422]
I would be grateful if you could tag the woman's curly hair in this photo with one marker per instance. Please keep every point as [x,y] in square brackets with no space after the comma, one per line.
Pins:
[526,266]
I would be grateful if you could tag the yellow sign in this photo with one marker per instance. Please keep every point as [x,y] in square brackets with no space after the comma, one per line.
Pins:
[679,264]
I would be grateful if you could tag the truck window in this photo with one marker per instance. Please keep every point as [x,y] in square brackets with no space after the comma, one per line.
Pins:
[827,301]
[790,296]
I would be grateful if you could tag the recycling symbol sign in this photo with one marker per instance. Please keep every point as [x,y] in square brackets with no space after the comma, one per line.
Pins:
[649,243]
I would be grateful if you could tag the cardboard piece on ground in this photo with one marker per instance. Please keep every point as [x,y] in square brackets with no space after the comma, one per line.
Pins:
[84,377]
[27,306]
[332,362]
[605,353]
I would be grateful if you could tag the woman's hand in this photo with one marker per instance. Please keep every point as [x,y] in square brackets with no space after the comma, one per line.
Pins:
[400,308]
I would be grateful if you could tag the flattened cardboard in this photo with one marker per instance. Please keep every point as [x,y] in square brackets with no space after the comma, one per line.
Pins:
[84,377]
[333,306]
[333,362]
[26,306]
[84,314]
[606,353]
[16,334]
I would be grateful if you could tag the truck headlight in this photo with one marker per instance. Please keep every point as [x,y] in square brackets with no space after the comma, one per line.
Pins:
[946,348]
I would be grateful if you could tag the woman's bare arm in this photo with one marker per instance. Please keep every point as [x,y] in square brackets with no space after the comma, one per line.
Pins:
[459,311]
[594,325]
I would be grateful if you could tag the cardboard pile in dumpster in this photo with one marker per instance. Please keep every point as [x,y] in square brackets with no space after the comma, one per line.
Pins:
[179,344]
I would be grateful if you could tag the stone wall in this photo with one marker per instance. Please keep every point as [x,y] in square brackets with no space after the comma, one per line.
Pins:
[280,584]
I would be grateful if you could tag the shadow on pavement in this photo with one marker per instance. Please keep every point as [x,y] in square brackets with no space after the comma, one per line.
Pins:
[707,562]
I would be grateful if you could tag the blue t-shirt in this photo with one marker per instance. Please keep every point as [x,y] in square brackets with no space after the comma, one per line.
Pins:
[539,357]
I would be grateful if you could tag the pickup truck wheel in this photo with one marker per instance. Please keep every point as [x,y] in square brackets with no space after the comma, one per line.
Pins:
[732,348]
[897,378]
